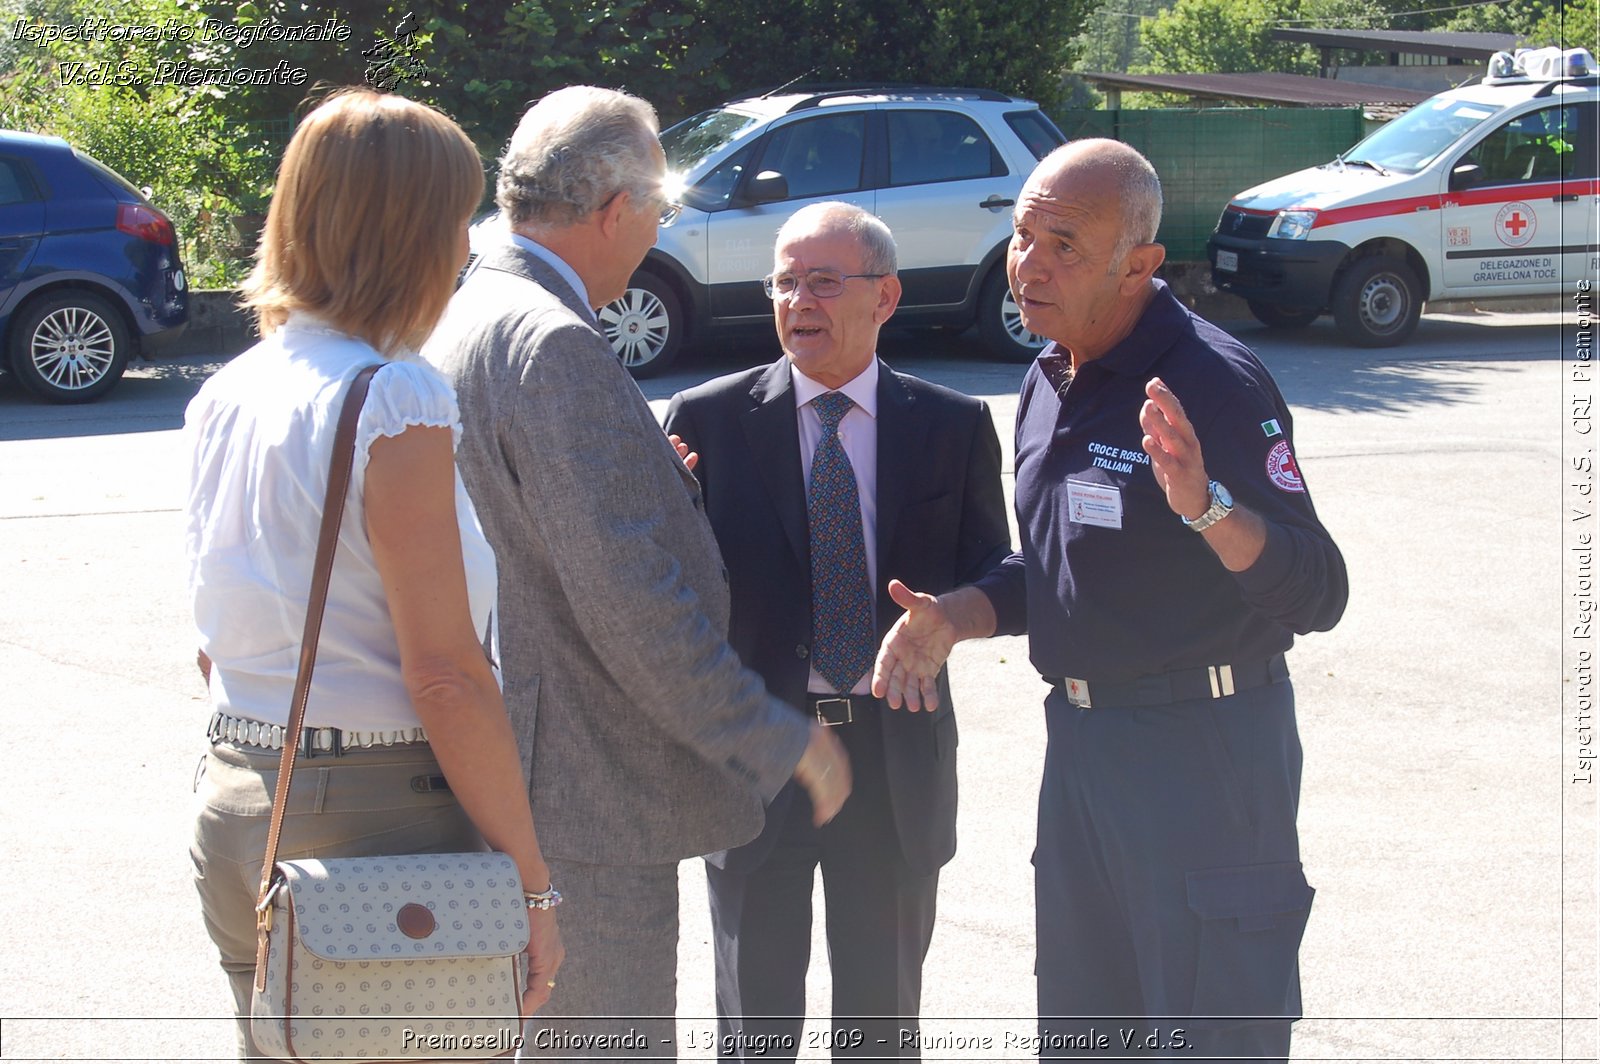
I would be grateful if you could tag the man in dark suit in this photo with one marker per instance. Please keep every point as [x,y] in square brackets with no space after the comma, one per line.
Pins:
[826,475]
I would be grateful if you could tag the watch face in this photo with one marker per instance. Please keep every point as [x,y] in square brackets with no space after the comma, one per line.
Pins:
[1224,496]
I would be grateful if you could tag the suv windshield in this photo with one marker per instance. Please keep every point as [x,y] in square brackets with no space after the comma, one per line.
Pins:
[691,141]
[1415,139]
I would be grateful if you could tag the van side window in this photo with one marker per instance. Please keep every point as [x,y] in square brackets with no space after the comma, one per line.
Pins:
[1538,146]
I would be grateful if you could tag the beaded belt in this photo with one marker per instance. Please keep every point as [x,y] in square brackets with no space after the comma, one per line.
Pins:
[313,740]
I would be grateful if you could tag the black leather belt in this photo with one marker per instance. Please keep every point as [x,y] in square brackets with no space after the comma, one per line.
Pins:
[834,710]
[1182,685]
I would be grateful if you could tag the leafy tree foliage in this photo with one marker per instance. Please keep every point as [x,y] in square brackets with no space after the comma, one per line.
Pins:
[1021,47]
[1574,24]
[208,149]
[101,96]
[1110,40]
[487,62]
[1539,23]
[1221,36]
[482,63]
[1234,36]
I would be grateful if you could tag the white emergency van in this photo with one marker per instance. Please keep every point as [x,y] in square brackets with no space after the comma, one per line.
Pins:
[1485,191]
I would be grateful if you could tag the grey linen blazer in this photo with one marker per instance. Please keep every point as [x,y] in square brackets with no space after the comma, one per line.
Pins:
[644,738]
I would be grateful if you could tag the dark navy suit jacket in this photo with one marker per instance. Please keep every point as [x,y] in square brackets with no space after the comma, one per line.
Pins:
[941,523]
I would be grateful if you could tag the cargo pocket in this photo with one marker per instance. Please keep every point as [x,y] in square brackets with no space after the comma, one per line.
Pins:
[1251,921]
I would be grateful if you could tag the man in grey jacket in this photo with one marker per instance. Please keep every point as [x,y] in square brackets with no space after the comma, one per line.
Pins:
[645,739]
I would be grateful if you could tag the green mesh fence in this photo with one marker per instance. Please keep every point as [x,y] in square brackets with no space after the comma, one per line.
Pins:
[1206,157]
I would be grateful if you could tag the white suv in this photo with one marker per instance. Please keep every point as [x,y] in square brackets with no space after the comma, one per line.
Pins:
[1484,191]
[942,167]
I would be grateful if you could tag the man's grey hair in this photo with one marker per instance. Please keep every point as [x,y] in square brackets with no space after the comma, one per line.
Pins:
[572,152]
[877,243]
[1138,190]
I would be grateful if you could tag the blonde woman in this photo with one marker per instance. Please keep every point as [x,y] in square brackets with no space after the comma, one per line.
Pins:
[411,748]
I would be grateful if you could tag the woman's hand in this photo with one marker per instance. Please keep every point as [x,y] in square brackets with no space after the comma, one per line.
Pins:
[545,954]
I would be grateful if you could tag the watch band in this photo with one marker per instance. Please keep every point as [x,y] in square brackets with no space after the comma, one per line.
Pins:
[1221,506]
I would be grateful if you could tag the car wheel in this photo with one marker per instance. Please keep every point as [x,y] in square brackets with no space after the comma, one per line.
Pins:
[645,326]
[1274,316]
[70,347]
[1377,301]
[1000,322]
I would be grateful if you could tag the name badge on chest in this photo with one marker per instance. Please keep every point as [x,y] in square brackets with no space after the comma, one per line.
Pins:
[1094,504]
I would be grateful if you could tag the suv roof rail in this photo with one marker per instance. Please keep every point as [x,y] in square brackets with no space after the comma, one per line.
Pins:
[818,92]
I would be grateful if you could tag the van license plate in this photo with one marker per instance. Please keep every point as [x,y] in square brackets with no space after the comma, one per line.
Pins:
[1228,260]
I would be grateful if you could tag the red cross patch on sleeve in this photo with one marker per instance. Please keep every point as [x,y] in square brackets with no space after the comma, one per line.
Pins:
[1282,470]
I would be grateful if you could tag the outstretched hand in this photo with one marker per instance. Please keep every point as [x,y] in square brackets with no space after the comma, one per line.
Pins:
[907,670]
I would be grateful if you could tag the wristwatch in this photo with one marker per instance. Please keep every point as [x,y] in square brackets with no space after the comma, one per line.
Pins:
[1221,506]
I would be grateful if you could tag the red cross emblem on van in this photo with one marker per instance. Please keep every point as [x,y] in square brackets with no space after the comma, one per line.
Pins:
[1515,224]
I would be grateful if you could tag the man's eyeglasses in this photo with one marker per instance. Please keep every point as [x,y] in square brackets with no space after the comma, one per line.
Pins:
[665,208]
[669,210]
[824,284]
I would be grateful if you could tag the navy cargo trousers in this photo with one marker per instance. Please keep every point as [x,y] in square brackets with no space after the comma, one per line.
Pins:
[1170,896]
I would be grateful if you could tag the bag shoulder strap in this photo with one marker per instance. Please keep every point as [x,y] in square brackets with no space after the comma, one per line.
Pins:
[339,469]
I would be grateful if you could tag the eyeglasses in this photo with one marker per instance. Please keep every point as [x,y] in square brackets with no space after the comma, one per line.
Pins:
[666,209]
[669,210]
[824,284]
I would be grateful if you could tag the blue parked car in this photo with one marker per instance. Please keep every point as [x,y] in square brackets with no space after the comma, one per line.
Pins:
[89,270]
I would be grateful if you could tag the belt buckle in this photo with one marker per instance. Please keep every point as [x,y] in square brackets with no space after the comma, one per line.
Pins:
[1077,692]
[1221,677]
[321,740]
[822,706]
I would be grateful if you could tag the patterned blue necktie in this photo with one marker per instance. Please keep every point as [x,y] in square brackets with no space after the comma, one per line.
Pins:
[841,600]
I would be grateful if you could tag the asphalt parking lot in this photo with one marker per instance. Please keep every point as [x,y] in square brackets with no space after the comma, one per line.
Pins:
[1453,856]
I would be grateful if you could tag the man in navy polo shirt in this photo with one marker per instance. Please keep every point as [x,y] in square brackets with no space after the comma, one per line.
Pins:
[1169,554]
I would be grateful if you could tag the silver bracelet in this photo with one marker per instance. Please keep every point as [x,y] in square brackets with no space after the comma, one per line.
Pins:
[548,898]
